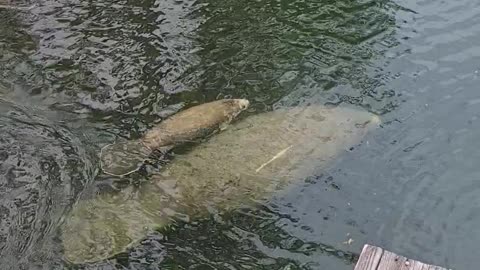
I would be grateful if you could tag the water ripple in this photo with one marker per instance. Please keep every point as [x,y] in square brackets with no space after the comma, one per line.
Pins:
[43,169]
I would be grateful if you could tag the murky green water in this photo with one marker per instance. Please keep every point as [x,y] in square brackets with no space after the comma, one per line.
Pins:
[76,75]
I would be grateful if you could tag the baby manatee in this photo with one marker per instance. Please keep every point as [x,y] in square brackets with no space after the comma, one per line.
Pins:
[123,158]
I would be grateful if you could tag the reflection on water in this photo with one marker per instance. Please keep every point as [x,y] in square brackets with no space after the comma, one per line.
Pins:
[99,70]
[128,59]
[266,49]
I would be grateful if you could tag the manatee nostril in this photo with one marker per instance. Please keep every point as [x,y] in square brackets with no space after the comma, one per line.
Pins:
[244,104]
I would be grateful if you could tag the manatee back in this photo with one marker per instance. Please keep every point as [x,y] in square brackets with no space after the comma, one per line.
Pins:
[193,123]
[107,225]
[262,153]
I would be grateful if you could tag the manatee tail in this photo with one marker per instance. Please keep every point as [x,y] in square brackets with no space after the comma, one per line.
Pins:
[123,158]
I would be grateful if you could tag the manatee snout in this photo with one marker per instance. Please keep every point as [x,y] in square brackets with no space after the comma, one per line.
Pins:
[242,103]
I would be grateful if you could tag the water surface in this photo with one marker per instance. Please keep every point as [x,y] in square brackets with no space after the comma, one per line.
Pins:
[75,75]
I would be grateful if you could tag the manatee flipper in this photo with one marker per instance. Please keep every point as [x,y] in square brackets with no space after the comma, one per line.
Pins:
[123,158]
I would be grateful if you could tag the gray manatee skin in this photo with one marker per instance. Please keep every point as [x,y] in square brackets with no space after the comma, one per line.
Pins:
[123,158]
[194,122]
[252,159]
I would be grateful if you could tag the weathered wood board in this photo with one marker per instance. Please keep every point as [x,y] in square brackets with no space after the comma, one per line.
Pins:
[375,258]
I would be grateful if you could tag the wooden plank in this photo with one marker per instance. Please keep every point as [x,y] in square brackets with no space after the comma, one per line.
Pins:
[369,258]
[375,258]
[392,261]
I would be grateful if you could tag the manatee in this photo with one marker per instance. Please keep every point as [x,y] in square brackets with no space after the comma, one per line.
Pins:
[126,157]
[254,158]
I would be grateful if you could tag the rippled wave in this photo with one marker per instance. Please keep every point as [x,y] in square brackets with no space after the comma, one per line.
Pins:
[122,59]
[118,67]
[43,169]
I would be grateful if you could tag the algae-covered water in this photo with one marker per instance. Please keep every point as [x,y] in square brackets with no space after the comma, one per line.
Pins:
[77,75]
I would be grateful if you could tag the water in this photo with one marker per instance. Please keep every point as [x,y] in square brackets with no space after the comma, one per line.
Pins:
[76,75]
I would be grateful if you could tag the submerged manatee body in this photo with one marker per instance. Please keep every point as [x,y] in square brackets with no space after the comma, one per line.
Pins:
[195,122]
[253,158]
